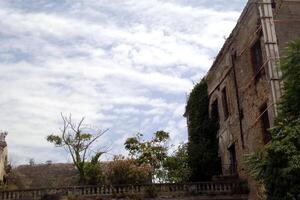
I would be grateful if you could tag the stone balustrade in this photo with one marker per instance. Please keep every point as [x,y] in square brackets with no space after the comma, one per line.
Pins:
[214,188]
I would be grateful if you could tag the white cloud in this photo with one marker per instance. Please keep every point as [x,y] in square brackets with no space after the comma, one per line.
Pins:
[125,65]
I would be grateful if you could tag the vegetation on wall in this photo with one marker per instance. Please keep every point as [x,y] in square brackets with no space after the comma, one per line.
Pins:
[203,143]
[277,166]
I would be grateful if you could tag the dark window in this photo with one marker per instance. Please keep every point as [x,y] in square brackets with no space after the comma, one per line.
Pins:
[265,123]
[256,56]
[215,110]
[225,103]
[273,3]
[242,113]
[233,160]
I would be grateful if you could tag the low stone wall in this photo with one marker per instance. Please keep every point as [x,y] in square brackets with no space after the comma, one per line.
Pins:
[106,192]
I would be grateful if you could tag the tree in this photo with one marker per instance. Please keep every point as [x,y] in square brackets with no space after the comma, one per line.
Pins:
[203,143]
[290,65]
[277,166]
[152,152]
[94,171]
[31,162]
[176,165]
[122,171]
[78,140]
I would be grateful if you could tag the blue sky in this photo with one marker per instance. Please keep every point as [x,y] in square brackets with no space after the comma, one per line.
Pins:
[125,65]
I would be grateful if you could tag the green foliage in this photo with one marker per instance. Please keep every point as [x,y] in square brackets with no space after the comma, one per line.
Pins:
[277,166]
[176,165]
[152,152]
[54,139]
[203,143]
[290,67]
[77,139]
[123,171]
[94,172]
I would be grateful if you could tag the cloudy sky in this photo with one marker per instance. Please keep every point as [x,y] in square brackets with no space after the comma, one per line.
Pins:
[125,65]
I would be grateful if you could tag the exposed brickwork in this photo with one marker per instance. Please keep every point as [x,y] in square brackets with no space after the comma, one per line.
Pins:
[233,69]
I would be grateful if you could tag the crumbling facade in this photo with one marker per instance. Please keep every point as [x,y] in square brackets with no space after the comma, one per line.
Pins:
[244,82]
[3,157]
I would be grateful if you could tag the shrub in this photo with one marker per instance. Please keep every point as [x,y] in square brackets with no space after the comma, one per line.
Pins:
[176,165]
[277,166]
[123,171]
[93,171]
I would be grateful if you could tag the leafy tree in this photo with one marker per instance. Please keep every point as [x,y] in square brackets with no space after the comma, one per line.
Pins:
[77,139]
[152,152]
[123,171]
[290,65]
[176,165]
[277,166]
[94,171]
[203,143]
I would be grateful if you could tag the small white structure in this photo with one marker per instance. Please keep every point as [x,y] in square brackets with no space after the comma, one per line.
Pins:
[3,156]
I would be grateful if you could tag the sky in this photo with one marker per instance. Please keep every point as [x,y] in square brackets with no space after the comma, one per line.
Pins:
[124,65]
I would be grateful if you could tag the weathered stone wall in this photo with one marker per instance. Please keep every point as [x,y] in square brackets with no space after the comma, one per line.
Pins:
[205,190]
[3,162]
[250,90]
[287,22]
[212,197]
[253,90]
[3,156]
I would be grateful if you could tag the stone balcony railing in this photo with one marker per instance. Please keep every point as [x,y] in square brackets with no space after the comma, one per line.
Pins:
[207,188]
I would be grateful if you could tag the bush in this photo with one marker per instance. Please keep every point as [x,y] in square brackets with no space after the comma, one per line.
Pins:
[176,166]
[290,67]
[123,171]
[93,171]
[94,174]
[277,166]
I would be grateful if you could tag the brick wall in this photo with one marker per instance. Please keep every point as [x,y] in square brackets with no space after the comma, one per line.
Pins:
[234,70]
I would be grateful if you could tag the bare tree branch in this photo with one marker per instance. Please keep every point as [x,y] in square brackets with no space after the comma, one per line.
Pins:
[76,141]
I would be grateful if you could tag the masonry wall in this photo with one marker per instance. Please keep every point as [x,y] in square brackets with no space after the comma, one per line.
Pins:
[3,160]
[287,22]
[233,70]
[253,90]
[3,156]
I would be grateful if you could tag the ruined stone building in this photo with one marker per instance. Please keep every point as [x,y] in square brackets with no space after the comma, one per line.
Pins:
[3,157]
[244,82]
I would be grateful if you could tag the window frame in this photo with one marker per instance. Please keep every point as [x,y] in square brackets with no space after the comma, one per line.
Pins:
[265,123]
[225,105]
[256,58]
[214,112]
